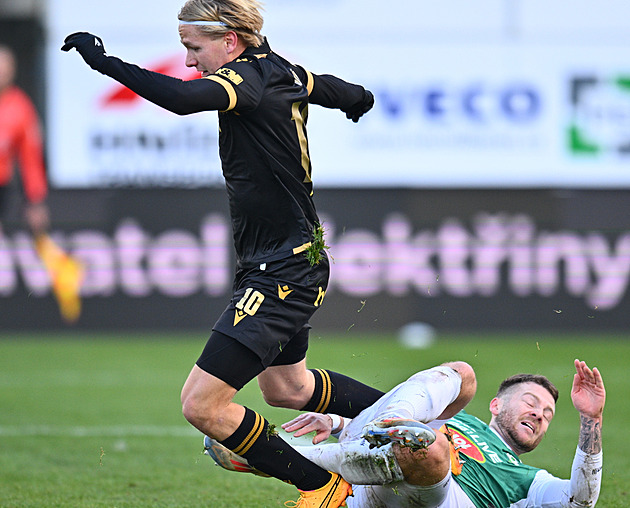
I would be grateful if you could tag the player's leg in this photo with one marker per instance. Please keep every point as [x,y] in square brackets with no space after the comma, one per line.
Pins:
[376,476]
[224,367]
[428,480]
[428,396]
[424,467]
[207,404]
[467,389]
[288,383]
[356,461]
[391,474]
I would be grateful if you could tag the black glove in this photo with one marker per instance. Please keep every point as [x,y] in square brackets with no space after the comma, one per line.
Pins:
[359,109]
[89,46]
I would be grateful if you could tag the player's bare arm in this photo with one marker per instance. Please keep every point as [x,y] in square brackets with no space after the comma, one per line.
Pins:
[589,396]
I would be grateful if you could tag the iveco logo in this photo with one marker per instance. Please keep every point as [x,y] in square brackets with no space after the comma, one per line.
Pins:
[474,102]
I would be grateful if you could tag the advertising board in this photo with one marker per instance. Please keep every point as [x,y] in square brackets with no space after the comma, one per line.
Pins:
[456,259]
[460,101]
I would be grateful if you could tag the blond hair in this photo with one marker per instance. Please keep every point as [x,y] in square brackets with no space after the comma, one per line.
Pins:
[240,16]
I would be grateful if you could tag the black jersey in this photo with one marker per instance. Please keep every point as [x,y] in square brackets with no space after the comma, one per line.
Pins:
[264,155]
[263,108]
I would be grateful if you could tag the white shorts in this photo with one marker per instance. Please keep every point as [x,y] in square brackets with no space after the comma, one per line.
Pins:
[418,399]
[446,494]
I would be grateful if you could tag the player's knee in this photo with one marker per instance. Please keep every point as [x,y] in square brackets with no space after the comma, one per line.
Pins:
[200,414]
[190,409]
[464,369]
[469,382]
[467,390]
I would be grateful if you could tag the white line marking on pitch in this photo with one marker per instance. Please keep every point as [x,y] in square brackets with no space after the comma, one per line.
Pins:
[100,431]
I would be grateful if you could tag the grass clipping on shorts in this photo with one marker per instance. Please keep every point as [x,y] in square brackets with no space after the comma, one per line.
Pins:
[314,251]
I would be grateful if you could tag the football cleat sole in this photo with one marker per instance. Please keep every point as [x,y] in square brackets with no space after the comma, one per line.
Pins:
[409,433]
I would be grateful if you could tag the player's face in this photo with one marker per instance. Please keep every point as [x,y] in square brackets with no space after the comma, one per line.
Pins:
[207,54]
[523,416]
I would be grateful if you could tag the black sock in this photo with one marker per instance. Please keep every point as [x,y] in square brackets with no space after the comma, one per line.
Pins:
[269,453]
[339,394]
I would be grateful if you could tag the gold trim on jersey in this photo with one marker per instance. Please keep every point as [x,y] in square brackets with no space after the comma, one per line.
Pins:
[310,82]
[320,297]
[228,88]
[299,116]
[301,248]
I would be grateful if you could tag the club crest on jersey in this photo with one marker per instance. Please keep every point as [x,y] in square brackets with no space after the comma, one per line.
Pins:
[284,291]
[233,76]
[465,445]
[248,305]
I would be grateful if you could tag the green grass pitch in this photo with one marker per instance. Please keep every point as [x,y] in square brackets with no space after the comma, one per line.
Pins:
[95,420]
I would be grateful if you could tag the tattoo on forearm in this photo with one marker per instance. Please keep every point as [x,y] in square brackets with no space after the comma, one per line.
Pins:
[590,440]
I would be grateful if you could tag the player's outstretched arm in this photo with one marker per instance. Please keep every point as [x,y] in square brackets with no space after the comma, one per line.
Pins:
[175,95]
[335,93]
[589,396]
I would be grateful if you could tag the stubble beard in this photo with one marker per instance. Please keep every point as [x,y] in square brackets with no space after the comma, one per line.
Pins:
[505,421]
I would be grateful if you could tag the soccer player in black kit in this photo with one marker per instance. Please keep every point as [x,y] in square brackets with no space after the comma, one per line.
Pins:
[282,267]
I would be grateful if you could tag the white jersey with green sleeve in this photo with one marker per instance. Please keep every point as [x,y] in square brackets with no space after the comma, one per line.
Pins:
[492,474]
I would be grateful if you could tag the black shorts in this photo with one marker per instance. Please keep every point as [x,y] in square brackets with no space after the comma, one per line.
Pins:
[232,362]
[271,307]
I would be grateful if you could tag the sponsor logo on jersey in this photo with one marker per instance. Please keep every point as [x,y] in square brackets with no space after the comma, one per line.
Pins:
[233,76]
[466,446]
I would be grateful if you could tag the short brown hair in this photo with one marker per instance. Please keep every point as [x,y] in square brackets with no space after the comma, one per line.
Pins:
[528,378]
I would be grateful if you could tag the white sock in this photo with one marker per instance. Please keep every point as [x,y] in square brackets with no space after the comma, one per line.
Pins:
[356,461]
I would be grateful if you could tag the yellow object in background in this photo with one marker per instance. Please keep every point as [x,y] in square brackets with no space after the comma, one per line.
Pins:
[66,275]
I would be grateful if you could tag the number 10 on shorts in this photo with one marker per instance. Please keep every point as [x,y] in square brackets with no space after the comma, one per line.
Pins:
[248,305]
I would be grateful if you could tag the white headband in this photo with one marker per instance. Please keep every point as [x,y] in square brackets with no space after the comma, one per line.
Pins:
[203,23]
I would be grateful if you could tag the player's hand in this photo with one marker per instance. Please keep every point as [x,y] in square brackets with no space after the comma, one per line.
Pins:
[588,393]
[310,422]
[89,46]
[362,107]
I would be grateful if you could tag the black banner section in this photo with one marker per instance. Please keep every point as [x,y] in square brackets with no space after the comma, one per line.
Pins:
[455,259]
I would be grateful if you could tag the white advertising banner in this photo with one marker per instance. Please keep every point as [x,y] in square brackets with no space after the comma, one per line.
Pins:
[459,102]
